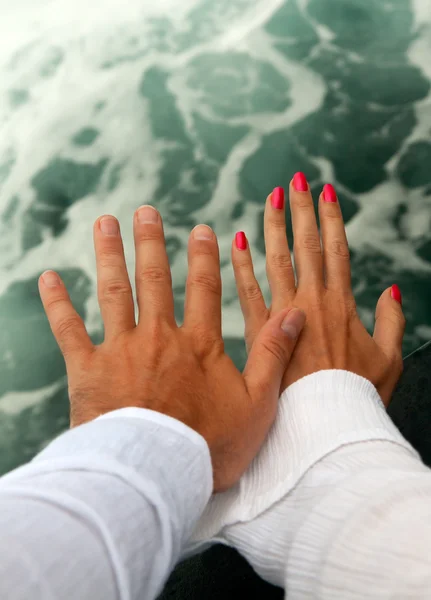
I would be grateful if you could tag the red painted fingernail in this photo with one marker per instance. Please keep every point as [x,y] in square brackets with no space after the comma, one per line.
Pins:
[396,293]
[329,193]
[241,240]
[277,198]
[300,182]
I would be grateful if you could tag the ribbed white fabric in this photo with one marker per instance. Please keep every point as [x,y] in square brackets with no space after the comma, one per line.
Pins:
[339,529]
[105,509]
[316,415]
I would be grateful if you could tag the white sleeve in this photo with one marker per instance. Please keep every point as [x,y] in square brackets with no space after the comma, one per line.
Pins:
[104,511]
[315,416]
[357,526]
[357,521]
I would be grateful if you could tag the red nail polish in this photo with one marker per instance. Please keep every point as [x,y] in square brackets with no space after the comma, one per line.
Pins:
[329,193]
[300,182]
[396,293]
[277,198]
[241,240]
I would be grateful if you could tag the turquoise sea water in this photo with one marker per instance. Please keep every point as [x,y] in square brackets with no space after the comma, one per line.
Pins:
[200,107]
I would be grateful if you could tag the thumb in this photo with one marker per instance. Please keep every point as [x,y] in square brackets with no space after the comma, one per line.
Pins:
[271,352]
[390,322]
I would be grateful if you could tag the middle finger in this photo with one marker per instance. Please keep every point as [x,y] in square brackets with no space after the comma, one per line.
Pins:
[307,248]
[279,269]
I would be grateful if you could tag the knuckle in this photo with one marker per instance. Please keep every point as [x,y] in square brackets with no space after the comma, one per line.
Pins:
[54,303]
[396,318]
[339,249]
[393,319]
[331,212]
[67,326]
[206,282]
[250,290]
[244,269]
[304,202]
[115,290]
[277,223]
[154,274]
[148,234]
[206,343]
[202,248]
[310,243]
[280,261]
[275,349]
[109,256]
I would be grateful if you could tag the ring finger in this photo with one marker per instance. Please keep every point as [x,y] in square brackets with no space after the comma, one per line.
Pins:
[153,274]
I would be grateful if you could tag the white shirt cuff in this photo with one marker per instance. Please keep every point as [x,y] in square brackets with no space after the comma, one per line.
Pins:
[133,412]
[316,415]
[117,444]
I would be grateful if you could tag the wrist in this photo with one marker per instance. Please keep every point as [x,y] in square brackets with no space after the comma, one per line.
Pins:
[300,526]
[316,415]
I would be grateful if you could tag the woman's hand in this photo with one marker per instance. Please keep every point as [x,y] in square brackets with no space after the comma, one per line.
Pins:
[180,371]
[334,337]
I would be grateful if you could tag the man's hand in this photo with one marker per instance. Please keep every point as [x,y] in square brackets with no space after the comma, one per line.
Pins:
[180,371]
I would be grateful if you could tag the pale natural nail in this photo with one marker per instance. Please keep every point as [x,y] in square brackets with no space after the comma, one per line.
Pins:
[109,226]
[50,279]
[203,232]
[147,214]
[293,323]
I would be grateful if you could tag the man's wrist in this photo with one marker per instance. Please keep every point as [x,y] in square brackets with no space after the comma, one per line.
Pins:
[117,445]
[133,412]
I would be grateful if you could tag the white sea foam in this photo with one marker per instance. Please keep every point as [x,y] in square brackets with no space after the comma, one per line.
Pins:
[89,34]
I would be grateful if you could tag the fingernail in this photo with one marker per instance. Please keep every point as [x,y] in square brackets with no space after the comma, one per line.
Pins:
[293,323]
[329,193]
[241,240]
[147,214]
[277,198]
[109,226]
[50,279]
[396,293]
[300,182]
[203,232]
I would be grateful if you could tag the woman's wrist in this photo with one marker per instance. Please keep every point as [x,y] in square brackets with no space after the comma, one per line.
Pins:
[289,540]
[316,415]
[329,409]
